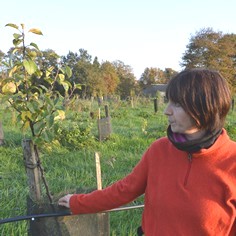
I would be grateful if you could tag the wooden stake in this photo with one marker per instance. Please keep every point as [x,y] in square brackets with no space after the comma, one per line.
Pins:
[99,114]
[98,171]
[32,170]
[101,216]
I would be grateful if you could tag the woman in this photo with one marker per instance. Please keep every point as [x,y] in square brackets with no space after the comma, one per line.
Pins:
[188,177]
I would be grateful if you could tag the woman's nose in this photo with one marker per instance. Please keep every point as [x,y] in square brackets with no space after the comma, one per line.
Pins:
[168,110]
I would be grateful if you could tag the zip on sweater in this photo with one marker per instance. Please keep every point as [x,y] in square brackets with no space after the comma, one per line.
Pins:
[188,169]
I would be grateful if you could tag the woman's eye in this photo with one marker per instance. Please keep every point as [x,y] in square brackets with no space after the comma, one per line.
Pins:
[177,104]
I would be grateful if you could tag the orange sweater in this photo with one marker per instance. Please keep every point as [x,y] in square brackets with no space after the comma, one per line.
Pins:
[184,194]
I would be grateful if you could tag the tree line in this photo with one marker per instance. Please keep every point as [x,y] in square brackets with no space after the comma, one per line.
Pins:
[91,78]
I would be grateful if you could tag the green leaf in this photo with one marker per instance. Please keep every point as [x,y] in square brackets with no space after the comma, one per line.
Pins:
[6,64]
[35,106]
[17,41]
[56,100]
[30,66]
[17,36]
[68,71]
[34,45]
[50,121]
[49,101]
[39,73]
[38,127]
[36,31]
[12,25]
[47,136]
[37,140]
[31,107]
[43,87]
[77,86]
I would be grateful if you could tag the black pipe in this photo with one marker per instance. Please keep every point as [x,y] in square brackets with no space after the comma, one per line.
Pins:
[33,217]
[58,214]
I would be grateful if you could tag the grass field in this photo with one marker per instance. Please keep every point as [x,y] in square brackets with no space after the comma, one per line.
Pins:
[69,162]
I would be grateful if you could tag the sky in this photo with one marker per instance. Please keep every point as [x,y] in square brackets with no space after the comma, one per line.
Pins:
[141,34]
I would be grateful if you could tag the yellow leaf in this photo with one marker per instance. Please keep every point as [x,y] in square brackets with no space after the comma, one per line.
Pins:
[12,71]
[61,115]
[65,85]
[12,25]
[32,54]
[61,77]
[36,31]
[9,88]
[25,115]
[26,125]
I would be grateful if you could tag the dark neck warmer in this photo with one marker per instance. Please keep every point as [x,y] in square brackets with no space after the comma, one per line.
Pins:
[180,142]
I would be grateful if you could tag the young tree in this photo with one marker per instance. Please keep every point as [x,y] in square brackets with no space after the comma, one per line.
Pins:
[37,106]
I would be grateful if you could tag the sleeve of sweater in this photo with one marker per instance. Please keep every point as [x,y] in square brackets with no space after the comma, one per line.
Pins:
[115,195]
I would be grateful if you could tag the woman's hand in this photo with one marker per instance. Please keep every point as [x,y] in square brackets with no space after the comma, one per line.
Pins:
[65,201]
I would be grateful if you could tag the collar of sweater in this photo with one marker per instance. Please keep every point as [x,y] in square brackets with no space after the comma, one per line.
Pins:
[181,143]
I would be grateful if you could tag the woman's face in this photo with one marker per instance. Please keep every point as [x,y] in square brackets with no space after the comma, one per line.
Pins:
[180,121]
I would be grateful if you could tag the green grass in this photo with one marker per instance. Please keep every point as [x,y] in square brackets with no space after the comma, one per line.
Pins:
[69,168]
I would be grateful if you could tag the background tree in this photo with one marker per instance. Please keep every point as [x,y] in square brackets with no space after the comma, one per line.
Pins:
[2,55]
[110,78]
[227,61]
[213,50]
[70,59]
[2,65]
[44,60]
[152,76]
[167,75]
[48,58]
[149,76]
[80,65]
[127,82]
[95,82]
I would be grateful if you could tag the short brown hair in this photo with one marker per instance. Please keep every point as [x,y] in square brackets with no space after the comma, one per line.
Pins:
[204,95]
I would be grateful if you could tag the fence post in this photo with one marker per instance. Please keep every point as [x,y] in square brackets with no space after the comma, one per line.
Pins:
[106,111]
[1,134]
[104,125]
[132,102]
[155,105]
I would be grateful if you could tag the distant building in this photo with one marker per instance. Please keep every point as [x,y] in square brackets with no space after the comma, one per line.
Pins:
[152,90]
